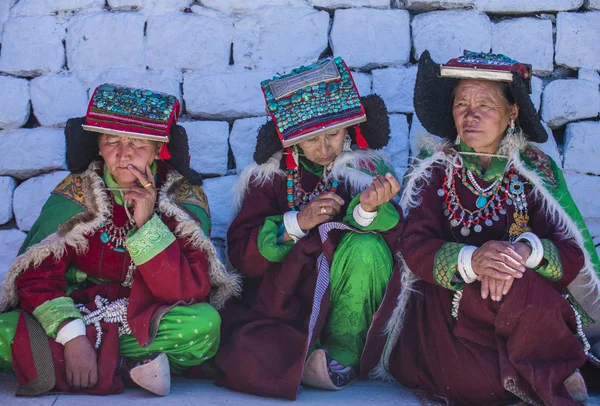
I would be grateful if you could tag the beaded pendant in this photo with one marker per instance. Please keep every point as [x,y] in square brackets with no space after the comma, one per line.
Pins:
[506,190]
[297,197]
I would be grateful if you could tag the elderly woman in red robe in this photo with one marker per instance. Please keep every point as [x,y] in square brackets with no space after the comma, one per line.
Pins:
[313,237]
[117,281]
[499,283]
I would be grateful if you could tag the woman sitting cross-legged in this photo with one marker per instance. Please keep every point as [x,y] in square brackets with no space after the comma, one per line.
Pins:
[313,237]
[117,280]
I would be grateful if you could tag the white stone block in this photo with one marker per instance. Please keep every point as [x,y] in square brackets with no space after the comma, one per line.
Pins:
[30,152]
[526,7]
[226,95]
[47,7]
[31,195]
[243,140]
[592,4]
[208,145]
[106,40]
[446,34]
[398,149]
[32,46]
[165,81]
[5,6]
[590,75]
[577,44]
[7,187]
[396,87]
[150,6]
[581,186]
[14,102]
[429,5]
[281,37]
[566,100]
[582,147]
[219,192]
[364,83]
[10,241]
[189,41]
[528,40]
[247,6]
[367,38]
[350,3]
[550,147]
[537,87]
[56,98]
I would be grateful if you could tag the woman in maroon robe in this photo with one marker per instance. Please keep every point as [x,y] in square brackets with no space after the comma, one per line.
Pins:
[493,249]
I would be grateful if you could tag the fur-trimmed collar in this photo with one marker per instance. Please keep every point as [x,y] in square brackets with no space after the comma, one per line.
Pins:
[348,168]
[97,209]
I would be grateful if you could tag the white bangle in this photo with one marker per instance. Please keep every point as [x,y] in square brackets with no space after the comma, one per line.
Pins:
[362,217]
[71,330]
[464,264]
[537,249]
[290,222]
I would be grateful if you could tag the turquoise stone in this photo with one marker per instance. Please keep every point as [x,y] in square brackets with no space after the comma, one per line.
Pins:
[481,202]
[119,249]
[104,237]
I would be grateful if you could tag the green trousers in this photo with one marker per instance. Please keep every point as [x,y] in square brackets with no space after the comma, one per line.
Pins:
[360,271]
[189,335]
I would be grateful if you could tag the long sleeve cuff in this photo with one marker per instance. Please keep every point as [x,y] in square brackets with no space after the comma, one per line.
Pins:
[387,217]
[52,313]
[267,240]
[551,265]
[445,266]
[149,241]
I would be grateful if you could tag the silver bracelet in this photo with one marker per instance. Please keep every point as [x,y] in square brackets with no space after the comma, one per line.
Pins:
[537,249]
[465,269]
[362,217]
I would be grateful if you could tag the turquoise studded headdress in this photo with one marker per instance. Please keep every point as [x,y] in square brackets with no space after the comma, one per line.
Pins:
[312,100]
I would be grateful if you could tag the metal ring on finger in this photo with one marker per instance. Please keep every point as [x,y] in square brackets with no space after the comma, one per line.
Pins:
[147,185]
[323,210]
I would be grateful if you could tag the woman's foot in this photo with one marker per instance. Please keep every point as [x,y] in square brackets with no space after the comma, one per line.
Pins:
[326,373]
[576,387]
[153,374]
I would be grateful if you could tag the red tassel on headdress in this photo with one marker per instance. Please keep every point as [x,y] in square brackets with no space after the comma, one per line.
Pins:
[290,162]
[360,139]
[164,153]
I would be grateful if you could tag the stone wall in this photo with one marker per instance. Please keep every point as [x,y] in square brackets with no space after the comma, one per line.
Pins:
[213,54]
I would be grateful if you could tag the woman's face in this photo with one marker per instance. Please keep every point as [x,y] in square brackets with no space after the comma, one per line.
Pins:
[323,150]
[119,152]
[482,114]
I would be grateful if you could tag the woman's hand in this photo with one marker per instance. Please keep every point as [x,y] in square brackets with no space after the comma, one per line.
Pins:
[320,209]
[81,363]
[143,197]
[498,260]
[497,288]
[381,190]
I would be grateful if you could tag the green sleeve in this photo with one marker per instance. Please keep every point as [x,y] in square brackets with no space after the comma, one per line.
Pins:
[551,266]
[445,266]
[149,241]
[267,240]
[202,216]
[386,219]
[52,313]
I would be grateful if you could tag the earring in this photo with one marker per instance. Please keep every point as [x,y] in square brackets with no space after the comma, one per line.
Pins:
[457,141]
[347,142]
[510,131]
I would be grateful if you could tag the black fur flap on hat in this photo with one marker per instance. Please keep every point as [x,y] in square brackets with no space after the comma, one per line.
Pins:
[376,130]
[82,149]
[433,98]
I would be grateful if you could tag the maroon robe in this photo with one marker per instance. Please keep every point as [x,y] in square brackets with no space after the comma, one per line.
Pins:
[266,335]
[177,275]
[526,341]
